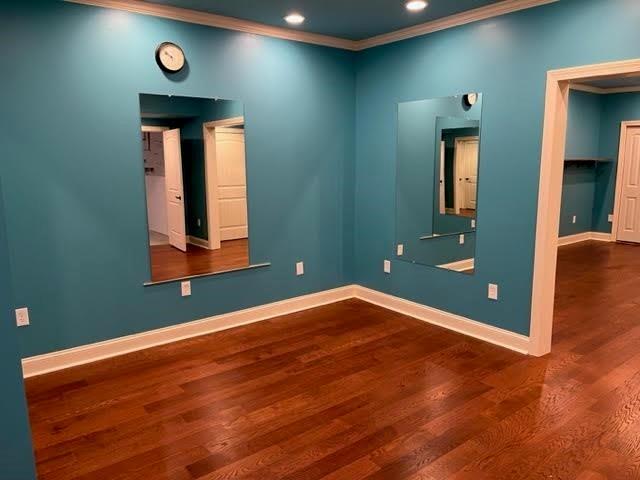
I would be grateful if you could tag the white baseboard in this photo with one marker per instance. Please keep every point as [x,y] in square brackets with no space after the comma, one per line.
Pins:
[51,362]
[460,265]
[199,242]
[466,326]
[585,236]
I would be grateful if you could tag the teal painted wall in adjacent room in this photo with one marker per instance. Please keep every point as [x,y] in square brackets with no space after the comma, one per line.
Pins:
[506,58]
[74,190]
[16,454]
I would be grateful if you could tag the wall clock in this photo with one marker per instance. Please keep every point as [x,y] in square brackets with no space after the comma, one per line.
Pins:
[470,99]
[170,57]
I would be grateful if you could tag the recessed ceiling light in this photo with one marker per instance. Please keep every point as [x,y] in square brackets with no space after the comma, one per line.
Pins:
[294,19]
[416,5]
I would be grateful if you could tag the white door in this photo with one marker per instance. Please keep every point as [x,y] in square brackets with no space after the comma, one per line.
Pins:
[442,196]
[629,218]
[466,158]
[471,174]
[174,189]
[232,183]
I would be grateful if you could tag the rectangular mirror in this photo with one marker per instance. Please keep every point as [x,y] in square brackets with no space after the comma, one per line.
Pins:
[437,181]
[193,155]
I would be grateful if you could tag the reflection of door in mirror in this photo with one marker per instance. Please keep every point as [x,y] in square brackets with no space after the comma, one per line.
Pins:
[232,185]
[174,189]
[466,167]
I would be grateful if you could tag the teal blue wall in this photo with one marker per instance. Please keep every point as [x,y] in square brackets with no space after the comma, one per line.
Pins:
[75,190]
[593,130]
[506,58]
[16,456]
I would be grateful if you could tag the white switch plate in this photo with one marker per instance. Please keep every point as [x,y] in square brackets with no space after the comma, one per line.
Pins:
[300,268]
[574,219]
[387,266]
[186,289]
[462,239]
[400,250]
[473,224]
[493,291]
[611,218]
[22,317]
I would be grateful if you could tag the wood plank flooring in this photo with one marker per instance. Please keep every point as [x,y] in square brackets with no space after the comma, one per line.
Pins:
[351,391]
[168,263]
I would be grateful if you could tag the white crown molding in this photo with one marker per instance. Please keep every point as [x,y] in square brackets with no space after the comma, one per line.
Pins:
[220,21]
[603,91]
[51,362]
[470,16]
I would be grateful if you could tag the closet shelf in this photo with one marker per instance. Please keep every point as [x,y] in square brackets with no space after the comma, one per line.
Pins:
[588,159]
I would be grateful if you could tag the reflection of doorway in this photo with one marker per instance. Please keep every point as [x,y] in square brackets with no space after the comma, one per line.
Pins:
[466,172]
[225,171]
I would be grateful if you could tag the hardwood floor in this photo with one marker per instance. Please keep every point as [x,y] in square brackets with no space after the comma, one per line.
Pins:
[351,391]
[169,263]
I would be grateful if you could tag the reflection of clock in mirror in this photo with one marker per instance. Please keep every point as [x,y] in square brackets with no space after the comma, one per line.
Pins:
[470,99]
[170,57]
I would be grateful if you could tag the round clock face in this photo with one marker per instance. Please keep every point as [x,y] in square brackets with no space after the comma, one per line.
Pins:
[170,57]
[471,99]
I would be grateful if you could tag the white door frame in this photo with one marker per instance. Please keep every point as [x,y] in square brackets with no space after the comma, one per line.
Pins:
[458,192]
[622,160]
[151,129]
[211,175]
[550,191]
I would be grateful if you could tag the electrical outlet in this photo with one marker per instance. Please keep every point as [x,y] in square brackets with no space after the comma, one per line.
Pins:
[199,223]
[574,219]
[611,218]
[300,268]
[462,239]
[493,291]
[22,317]
[387,266]
[400,250]
[186,288]
[473,224]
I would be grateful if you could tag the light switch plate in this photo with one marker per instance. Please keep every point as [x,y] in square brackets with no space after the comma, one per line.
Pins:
[473,224]
[387,266]
[300,268]
[400,250]
[611,218]
[462,239]
[493,291]
[573,220]
[186,288]
[22,317]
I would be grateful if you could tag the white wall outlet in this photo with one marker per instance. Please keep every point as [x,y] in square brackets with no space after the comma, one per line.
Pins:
[493,291]
[387,266]
[300,268]
[199,223]
[462,239]
[473,224]
[186,289]
[611,218]
[574,219]
[22,317]
[400,250]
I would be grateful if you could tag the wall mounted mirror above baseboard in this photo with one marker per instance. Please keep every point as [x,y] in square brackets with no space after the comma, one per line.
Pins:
[193,155]
[437,181]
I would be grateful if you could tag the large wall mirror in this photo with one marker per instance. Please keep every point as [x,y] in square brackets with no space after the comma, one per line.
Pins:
[437,181]
[193,155]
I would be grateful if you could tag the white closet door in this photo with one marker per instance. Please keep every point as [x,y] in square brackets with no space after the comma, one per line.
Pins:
[629,219]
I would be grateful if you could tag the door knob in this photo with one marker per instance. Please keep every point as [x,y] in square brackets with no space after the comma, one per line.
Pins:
[178,197]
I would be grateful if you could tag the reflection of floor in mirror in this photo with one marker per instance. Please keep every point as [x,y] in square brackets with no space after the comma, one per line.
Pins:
[156,238]
[468,212]
[169,263]
[349,390]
